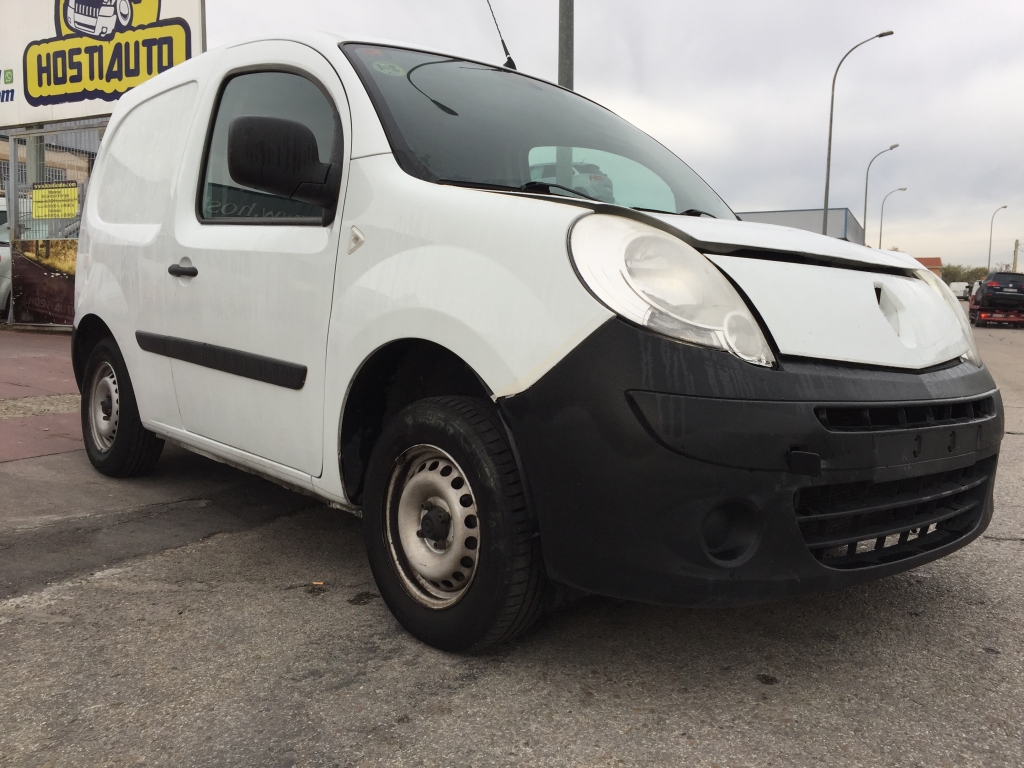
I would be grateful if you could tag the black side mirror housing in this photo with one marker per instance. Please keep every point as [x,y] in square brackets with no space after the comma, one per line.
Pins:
[281,157]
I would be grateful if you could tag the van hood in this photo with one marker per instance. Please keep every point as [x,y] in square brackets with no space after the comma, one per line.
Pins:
[723,236]
[834,306]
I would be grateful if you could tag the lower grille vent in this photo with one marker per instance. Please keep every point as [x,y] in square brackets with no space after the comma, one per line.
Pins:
[859,419]
[857,525]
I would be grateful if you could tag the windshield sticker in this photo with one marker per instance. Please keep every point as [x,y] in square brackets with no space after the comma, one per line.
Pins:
[389,68]
[103,49]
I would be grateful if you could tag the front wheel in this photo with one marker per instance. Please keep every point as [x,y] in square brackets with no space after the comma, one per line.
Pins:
[124,13]
[450,540]
[115,440]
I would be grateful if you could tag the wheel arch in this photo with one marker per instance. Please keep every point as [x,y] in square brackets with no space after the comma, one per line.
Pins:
[89,331]
[392,377]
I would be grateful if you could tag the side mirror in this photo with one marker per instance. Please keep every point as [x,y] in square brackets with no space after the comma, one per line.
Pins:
[281,157]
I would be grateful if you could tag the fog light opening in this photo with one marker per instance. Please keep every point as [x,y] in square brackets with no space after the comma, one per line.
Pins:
[731,533]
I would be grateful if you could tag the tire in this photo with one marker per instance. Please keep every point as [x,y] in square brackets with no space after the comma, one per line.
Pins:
[115,440]
[124,14]
[450,456]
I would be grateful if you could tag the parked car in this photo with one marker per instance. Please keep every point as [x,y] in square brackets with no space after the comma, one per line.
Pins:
[1002,289]
[998,299]
[960,290]
[524,394]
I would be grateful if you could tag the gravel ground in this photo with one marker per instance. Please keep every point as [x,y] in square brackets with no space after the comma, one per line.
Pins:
[39,405]
[223,653]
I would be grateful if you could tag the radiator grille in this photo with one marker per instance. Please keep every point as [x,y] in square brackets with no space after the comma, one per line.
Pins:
[857,525]
[887,417]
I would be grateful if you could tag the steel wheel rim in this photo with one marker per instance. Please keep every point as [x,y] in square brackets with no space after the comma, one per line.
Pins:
[437,574]
[104,407]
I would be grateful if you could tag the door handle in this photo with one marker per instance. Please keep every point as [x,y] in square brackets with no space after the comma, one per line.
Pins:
[179,271]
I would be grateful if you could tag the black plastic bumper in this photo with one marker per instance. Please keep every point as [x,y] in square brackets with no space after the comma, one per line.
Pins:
[669,473]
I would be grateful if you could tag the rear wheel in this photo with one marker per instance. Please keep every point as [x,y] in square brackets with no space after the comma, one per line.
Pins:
[450,540]
[115,440]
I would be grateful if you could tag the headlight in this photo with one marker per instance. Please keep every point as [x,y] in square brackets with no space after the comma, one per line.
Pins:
[950,298]
[658,281]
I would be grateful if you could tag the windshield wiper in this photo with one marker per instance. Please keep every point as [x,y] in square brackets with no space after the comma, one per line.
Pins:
[530,187]
[697,212]
[536,186]
[478,185]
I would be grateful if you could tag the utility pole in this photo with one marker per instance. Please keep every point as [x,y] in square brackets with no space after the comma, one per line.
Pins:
[566,36]
[565,43]
[1016,250]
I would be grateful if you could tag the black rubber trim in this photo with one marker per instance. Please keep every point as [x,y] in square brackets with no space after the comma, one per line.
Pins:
[645,455]
[266,369]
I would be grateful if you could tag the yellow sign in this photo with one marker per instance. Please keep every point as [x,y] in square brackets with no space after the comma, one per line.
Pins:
[55,200]
[103,49]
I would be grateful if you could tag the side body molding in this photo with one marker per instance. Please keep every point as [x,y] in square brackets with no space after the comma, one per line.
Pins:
[246,364]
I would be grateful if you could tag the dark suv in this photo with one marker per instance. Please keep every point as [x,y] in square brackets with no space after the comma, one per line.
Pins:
[1001,289]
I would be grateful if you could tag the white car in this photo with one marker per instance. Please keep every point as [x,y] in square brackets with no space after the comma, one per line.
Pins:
[324,261]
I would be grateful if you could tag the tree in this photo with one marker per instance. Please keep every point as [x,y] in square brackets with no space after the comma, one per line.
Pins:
[955,273]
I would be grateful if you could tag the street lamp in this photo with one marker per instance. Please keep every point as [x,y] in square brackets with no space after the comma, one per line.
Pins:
[865,219]
[991,223]
[831,110]
[881,219]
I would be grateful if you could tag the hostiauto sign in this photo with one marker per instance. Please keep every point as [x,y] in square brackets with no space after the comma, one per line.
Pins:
[68,59]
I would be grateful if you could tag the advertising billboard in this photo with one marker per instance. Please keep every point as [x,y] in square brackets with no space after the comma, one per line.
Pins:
[70,59]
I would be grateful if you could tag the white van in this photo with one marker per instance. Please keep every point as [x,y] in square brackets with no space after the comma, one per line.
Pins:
[327,262]
[99,18]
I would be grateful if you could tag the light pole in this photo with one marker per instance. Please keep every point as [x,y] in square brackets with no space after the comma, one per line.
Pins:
[881,219]
[991,223]
[831,111]
[865,219]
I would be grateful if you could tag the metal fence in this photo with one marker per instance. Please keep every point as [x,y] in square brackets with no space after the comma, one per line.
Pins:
[64,153]
[44,177]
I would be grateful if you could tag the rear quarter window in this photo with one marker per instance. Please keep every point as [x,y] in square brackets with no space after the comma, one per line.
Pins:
[135,179]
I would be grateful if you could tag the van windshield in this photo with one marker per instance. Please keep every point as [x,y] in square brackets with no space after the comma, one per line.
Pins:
[461,122]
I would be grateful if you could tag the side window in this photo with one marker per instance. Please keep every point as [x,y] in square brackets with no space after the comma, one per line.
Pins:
[265,94]
[133,185]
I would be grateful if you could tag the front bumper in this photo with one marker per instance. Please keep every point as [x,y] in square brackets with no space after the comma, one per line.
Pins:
[664,472]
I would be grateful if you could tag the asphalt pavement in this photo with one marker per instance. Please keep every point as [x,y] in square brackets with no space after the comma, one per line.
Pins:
[202,616]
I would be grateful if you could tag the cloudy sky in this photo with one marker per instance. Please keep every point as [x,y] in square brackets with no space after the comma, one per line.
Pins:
[740,90]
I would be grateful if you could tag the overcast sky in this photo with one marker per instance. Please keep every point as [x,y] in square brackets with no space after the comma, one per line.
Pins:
[740,91]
